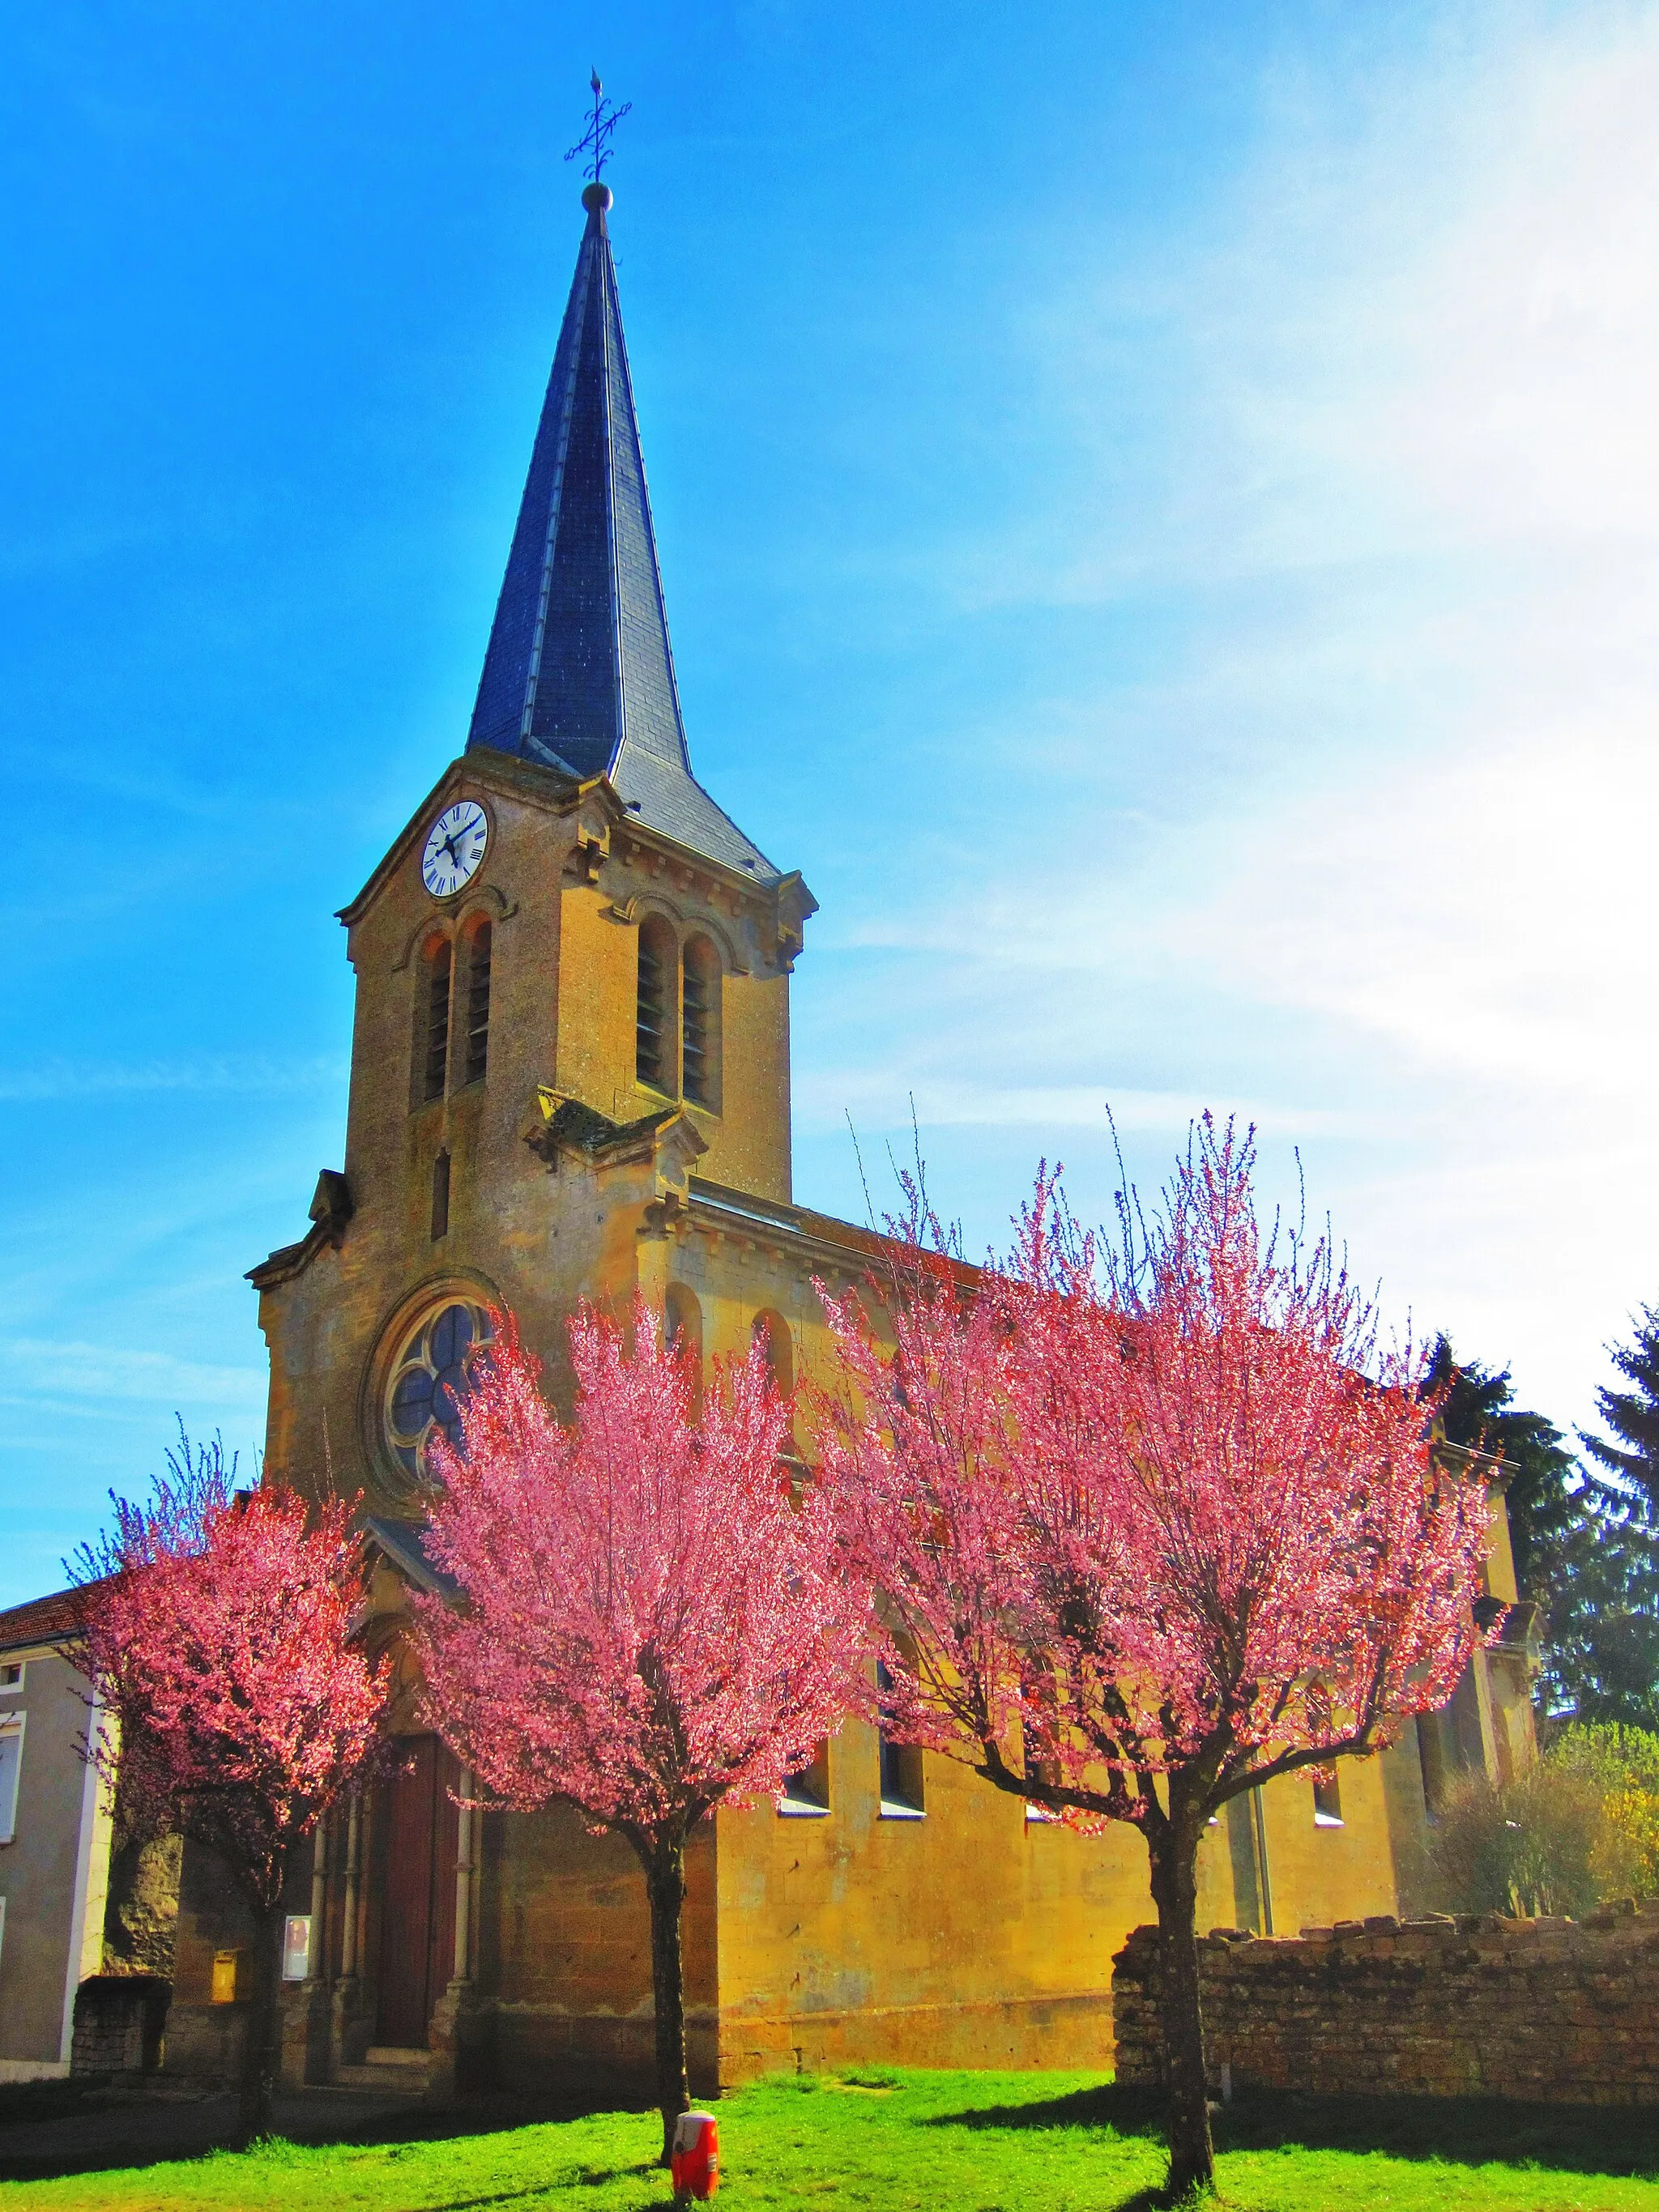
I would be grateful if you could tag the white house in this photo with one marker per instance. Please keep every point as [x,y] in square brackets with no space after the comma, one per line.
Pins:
[54,1843]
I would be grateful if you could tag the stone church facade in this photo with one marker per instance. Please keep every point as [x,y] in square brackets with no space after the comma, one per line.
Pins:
[570,1079]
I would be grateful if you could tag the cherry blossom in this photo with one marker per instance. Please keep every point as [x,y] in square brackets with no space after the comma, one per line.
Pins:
[651,1621]
[1153,1521]
[215,1627]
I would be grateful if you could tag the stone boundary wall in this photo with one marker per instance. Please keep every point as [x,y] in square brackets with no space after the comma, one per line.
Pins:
[1558,2012]
[119,2023]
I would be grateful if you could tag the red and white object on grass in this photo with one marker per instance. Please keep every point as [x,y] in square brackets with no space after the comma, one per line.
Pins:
[695,2161]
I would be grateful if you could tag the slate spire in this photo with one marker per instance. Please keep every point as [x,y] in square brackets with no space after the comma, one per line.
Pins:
[580,675]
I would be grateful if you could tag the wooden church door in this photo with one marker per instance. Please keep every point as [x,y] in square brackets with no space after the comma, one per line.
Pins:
[419,1823]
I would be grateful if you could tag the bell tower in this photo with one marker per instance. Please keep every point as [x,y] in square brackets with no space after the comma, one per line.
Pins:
[573,975]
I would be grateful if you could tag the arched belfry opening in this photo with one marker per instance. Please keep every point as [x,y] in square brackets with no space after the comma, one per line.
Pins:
[700,1024]
[432,1020]
[656,1053]
[477,946]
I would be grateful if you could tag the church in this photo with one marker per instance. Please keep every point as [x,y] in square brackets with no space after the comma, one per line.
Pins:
[570,1079]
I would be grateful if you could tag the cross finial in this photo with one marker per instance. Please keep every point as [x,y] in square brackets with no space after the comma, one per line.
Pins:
[595,141]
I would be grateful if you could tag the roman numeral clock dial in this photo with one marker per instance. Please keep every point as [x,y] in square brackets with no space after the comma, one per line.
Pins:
[454,847]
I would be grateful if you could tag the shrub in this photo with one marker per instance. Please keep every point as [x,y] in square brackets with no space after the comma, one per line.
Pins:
[1626,1761]
[1579,1826]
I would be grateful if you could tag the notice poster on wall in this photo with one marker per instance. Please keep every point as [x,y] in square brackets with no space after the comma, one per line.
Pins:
[296,1947]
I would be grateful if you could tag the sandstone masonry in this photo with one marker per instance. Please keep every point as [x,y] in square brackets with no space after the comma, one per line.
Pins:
[1550,2011]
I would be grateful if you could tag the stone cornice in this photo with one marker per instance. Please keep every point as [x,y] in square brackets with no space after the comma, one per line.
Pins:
[606,831]
[819,1243]
[331,1209]
[566,1127]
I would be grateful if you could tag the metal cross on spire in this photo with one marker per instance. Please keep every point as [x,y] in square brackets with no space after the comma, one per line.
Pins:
[595,141]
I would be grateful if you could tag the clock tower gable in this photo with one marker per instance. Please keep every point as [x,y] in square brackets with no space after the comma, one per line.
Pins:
[573,975]
[583,907]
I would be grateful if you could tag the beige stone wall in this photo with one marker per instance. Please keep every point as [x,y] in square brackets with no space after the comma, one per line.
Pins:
[563,1970]
[1545,2011]
[969,1937]
[977,1937]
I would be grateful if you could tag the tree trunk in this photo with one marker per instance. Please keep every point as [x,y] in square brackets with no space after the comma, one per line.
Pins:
[1175,1892]
[262,2047]
[664,1880]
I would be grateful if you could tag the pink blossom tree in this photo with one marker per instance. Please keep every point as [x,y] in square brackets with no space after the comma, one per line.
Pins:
[1155,1522]
[650,1622]
[215,1627]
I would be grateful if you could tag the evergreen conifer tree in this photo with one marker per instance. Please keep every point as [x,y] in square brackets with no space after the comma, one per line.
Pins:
[1547,1509]
[1630,1481]
[1586,1546]
[1618,1662]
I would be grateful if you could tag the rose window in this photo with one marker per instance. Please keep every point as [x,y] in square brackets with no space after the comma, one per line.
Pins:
[432,1375]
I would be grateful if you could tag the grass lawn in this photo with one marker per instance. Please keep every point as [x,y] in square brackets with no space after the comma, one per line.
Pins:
[973,2142]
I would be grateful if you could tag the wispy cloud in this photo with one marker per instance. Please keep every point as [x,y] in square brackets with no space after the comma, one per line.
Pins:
[40,1369]
[91,1080]
[882,1101]
[1376,838]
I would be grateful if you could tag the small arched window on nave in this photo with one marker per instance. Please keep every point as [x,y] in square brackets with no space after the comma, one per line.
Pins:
[432,1033]
[681,1330]
[654,1056]
[899,1770]
[771,1332]
[700,1030]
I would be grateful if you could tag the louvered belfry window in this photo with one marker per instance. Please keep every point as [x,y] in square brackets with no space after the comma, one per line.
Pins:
[437,1022]
[700,1033]
[654,1039]
[477,1004]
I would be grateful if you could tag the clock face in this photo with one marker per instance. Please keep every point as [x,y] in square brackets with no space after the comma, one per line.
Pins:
[454,847]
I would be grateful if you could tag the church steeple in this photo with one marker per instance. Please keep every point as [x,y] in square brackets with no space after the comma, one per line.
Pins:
[578,676]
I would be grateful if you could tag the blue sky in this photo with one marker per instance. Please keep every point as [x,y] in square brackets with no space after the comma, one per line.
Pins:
[1157,507]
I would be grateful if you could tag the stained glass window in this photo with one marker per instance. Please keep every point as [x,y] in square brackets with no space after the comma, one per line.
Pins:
[429,1381]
